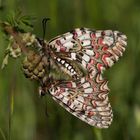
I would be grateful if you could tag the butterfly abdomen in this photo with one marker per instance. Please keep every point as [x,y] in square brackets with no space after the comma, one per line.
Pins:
[68,67]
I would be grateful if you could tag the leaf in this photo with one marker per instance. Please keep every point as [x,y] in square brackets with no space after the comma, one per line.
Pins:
[22,22]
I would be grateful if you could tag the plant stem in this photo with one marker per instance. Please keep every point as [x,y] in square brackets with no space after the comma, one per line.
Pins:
[11,102]
[98,134]
[2,134]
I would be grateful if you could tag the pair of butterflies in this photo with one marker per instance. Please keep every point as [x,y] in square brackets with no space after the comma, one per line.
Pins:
[80,56]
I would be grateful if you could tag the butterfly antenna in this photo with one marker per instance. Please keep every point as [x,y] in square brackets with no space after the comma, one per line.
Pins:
[44,21]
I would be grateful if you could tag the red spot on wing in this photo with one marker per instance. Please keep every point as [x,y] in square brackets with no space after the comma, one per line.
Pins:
[105,47]
[90,113]
[104,58]
[97,55]
[62,49]
[92,35]
[69,85]
[100,41]
[99,67]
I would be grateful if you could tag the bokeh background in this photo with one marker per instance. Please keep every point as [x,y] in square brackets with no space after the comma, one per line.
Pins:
[23,113]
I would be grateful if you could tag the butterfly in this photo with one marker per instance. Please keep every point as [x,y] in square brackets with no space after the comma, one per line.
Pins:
[81,56]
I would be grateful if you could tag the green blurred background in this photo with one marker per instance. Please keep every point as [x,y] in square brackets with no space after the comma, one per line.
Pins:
[28,119]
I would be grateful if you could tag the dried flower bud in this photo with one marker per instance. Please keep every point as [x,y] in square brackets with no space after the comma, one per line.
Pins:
[28,38]
[33,66]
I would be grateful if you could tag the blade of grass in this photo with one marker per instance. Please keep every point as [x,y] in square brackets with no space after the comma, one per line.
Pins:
[11,102]
[2,134]
[11,108]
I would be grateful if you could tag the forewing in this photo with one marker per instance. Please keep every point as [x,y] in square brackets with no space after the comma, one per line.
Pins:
[86,46]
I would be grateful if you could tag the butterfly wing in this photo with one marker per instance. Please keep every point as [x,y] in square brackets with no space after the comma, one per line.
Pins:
[85,46]
[86,97]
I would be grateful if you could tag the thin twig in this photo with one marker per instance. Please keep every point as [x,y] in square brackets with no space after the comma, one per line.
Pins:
[11,102]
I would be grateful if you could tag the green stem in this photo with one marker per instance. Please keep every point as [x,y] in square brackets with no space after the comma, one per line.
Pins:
[98,134]
[2,134]
[11,103]
[11,108]
[9,120]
